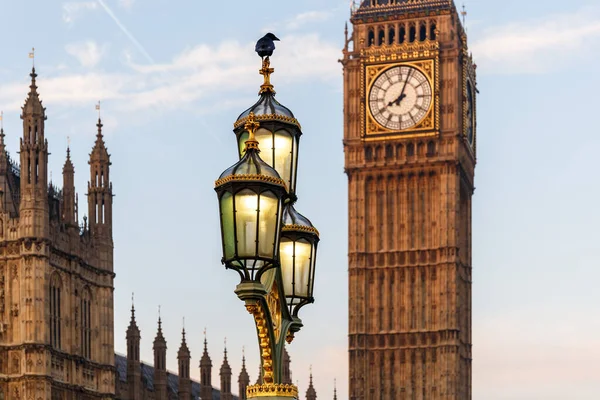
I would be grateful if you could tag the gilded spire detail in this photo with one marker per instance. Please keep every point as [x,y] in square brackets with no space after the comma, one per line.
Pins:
[266,72]
[251,126]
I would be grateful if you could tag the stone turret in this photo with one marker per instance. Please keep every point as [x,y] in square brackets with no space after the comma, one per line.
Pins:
[134,374]
[205,374]
[311,393]
[68,211]
[243,379]
[160,364]
[33,207]
[183,357]
[225,374]
[100,196]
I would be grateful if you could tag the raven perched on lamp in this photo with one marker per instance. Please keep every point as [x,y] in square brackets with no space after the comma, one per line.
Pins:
[265,45]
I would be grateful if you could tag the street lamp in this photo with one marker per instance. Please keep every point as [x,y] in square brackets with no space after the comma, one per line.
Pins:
[270,244]
[279,132]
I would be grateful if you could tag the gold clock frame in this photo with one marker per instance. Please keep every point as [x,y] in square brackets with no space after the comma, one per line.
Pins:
[374,65]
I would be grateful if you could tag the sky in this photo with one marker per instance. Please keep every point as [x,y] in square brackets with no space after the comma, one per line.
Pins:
[173,77]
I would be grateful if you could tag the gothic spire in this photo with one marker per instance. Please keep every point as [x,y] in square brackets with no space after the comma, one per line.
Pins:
[133,328]
[225,366]
[159,333]
[33,104]
[243,378]
[334,389]
[3,157]
[183,356]
[225,374]
[99,151]
[68,163]
[69,202]
[160,363]
[205,360]
[311,393]
[183,349]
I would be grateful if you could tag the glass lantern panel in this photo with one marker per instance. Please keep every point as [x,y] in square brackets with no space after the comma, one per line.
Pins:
[286,260]
[294,163]
[295,258]
[246,207]
[276,150]
[227,216]
[283,155]
[303,256]
[265,144]
[242,142]
[269,218]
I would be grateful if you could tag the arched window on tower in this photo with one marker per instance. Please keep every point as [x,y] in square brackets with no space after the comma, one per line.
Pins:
[432,30]
[86,323]
[412,33]
[389,152]
[369,153]
[28,169]
[55,307]
[422,32]
[371,39]
[391,35]
[381,37]
[430,149]
[402,35]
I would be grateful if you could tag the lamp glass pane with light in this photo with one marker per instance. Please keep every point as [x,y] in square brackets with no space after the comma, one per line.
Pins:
[250,201]
[279,149]
[297,257]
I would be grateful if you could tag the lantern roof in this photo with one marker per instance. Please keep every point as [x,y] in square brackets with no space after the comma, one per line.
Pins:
[294,221]
[267,108]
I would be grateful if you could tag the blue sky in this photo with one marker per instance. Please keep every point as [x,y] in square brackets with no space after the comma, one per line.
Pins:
[173,77]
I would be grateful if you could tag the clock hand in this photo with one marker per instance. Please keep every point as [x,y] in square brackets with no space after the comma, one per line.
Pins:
[398,100]
[402,95]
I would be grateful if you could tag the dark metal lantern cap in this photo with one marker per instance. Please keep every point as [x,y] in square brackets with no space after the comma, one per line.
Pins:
[294,221]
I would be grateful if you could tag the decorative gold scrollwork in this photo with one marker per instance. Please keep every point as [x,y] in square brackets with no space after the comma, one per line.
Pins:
[264,341]
[269,390]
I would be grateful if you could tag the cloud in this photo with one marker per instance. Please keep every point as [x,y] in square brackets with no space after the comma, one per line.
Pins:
[88,53]
[307,18]
[202,76]
[298,21]
[537,46]
[73,10]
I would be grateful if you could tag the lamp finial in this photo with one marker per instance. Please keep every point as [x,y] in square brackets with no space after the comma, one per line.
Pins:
[266,72]
[251,126]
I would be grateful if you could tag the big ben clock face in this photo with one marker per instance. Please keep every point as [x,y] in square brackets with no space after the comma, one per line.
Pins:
[400,98]
[470,117]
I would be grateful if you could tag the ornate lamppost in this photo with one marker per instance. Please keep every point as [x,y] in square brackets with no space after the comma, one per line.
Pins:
[270,245]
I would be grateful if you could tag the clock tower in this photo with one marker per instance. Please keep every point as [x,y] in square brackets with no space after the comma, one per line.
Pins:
[410,152]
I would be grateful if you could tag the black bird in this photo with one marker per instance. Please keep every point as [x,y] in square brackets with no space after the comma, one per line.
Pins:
[265,46]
